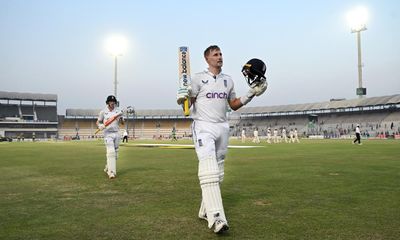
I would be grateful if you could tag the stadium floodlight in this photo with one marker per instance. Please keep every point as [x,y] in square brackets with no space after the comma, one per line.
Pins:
[116,45]
[357,19]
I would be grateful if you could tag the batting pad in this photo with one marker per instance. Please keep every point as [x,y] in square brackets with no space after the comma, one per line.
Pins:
[111,159]
[211,193]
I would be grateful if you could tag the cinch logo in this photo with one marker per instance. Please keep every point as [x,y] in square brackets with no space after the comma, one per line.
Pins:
[221,95]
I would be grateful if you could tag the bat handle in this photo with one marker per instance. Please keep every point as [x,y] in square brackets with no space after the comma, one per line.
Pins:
[186,110]
[97,131]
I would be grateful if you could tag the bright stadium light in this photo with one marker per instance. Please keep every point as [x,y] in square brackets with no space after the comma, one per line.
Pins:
[116,45]
[357,20]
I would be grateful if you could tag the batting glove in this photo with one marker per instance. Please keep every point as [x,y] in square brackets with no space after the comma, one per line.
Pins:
[182,94]
[255,90]
[259,88]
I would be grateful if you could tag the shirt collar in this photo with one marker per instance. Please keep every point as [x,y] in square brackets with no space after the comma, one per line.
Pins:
[212,75]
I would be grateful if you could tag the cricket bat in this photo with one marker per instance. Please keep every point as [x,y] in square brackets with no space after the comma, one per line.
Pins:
[115,117]
[184,74]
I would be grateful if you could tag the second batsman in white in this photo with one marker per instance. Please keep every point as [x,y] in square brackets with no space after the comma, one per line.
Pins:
[111,134]
[210,92]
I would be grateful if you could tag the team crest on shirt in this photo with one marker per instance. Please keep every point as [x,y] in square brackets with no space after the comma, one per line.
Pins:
[225,83]
[204,82]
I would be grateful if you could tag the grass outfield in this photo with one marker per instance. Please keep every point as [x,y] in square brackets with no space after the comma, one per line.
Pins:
[321,189]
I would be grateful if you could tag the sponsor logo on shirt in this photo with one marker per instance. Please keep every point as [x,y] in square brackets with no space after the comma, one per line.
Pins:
[218,95]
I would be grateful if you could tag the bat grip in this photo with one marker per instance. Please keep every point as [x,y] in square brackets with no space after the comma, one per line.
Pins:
[186,110]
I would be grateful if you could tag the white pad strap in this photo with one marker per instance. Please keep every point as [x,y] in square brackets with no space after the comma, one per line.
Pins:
[221,170]
[116,154]
[220,160]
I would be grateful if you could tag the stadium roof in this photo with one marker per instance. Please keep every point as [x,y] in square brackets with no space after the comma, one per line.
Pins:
[328,105]
[27,96]
[292,108]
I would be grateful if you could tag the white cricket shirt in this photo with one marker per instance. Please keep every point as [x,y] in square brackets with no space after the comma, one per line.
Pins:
[106,114]
[212,94]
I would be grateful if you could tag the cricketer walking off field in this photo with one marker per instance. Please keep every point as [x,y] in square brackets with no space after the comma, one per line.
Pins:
[256,139]
[243,137]
[296,137]
[111,134]
[284,137]
[276,136]
[269,135]
[291,140]
[210,92]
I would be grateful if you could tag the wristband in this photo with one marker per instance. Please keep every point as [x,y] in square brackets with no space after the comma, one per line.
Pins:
[246,99]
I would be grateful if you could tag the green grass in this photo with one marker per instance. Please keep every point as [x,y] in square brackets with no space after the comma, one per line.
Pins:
[317,189]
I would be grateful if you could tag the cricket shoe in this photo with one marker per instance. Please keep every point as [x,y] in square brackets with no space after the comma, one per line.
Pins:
[111,175]
[220,226]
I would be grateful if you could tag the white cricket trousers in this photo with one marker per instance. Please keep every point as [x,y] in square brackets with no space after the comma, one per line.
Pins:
[211,144]
[111,141]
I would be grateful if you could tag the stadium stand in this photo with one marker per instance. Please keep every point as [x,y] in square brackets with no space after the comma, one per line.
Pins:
[8,110]
[24,115]
[46,113]
[145,124]
[332,119]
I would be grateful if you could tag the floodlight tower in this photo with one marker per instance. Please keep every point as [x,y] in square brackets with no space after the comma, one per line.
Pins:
[357,20]
[116,46]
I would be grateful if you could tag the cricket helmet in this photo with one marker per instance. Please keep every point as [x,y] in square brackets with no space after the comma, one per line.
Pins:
[254,71]
[111,98]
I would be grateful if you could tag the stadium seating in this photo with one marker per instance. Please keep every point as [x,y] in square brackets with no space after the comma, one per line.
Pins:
[46,113]
[28,114]
[9,110]
[334,119]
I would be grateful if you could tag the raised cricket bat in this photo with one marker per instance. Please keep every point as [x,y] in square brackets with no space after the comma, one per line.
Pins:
[184,74]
